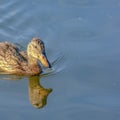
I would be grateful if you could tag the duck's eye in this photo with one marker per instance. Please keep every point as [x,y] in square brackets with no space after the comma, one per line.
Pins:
[35,46]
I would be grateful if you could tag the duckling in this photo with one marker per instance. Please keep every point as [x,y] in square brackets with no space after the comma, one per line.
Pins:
[15,61]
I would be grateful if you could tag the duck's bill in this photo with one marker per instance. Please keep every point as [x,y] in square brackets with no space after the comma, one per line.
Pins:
[43,59]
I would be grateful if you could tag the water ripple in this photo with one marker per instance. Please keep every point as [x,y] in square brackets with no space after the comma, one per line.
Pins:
[57,66]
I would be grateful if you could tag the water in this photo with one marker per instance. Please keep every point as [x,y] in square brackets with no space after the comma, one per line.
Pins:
[82,42]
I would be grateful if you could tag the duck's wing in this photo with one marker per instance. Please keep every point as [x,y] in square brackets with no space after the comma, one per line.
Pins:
[10,57]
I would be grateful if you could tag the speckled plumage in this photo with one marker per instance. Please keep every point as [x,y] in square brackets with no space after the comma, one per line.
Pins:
[15,61]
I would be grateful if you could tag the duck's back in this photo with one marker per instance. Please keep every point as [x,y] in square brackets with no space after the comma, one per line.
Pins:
[11,59]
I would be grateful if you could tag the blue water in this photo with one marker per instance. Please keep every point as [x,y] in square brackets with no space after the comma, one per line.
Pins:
[86,79]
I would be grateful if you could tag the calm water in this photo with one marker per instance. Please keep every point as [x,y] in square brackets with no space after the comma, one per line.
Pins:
[86,81]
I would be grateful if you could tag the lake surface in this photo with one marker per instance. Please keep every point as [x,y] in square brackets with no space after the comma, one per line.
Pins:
[82,39]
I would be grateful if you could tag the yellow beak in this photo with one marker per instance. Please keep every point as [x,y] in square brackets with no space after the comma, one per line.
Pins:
[43,59]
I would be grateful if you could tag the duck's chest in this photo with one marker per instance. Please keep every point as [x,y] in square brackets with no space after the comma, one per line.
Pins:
[34,70]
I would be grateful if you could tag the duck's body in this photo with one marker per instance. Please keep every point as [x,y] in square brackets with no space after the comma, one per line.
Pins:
[15,61]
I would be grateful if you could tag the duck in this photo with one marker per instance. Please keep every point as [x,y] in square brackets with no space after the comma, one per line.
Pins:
[15,61]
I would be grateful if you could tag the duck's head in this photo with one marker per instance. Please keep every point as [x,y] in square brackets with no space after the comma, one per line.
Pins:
[36,49]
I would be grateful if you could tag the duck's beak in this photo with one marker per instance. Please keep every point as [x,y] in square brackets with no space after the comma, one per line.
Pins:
[43,59]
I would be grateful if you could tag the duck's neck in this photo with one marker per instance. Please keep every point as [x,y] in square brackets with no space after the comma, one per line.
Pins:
[32,61]
[33,66]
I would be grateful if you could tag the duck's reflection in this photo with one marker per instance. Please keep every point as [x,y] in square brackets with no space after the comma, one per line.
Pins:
[37,93]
